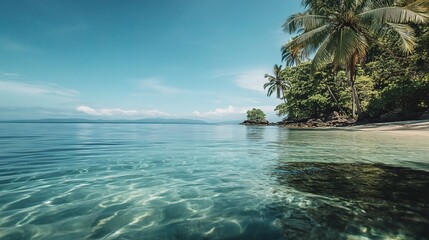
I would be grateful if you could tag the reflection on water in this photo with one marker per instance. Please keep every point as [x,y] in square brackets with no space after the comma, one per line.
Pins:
[255,133]
[371,200]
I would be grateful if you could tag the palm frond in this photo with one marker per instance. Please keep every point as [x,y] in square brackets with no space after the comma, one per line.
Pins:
[406,35]
[294,57]
[349,43]
[311,39]
[267,84]
[319,5]
[270,78]
[325,52]
[270,91]
[421,6]
[304,21]
[277,71]
[395,15]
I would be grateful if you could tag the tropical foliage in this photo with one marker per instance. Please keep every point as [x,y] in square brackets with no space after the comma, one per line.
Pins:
[256,115]
[370,56]
[314,97]
[341,32]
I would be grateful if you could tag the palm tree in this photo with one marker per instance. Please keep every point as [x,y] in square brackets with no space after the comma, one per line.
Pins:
[276,83]
[340,31]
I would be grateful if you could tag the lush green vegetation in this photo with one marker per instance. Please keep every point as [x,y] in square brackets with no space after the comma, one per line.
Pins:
[368,56]
[256,115]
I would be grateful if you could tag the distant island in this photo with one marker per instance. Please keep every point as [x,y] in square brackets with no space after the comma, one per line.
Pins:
[83,120]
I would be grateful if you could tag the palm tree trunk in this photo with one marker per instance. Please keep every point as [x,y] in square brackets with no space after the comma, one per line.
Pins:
[355,97]
[357,102]
[350,76]
[353,105]
[284,97]
[335,99]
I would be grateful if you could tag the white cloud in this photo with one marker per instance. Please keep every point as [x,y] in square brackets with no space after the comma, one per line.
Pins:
[156,85]
[157,113]
[252,79]
[36,89]
[231,112]
[9,74]
[111,112]
[218,112]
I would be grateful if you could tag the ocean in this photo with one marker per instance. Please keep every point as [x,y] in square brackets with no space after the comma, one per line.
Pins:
[199,181]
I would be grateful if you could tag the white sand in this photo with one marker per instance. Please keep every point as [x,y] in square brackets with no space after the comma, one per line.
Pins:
[416,128]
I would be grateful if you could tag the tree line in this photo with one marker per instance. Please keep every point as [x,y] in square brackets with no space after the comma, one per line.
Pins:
[365,59]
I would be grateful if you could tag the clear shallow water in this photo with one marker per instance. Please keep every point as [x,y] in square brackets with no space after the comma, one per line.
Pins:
[137,181]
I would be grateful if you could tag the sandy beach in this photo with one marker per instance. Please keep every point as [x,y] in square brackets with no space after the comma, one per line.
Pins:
[416,128]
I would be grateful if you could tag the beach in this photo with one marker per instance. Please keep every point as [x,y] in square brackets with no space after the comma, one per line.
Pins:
[410,128]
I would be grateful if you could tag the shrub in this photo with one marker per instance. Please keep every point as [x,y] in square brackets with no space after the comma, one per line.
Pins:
[255,115]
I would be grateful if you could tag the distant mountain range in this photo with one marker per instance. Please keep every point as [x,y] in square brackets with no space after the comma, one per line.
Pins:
[82,120]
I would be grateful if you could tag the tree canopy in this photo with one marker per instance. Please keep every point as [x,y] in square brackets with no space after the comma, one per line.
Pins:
[256,115]
[369,55]
[341,32]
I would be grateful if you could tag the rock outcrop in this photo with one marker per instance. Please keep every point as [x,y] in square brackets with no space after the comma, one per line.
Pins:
[333,120]
[256,123]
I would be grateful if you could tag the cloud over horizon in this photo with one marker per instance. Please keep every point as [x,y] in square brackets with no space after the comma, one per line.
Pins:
[117,112]
[232,113]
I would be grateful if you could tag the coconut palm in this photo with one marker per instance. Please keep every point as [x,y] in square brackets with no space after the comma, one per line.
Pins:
[276,83]
[340,31]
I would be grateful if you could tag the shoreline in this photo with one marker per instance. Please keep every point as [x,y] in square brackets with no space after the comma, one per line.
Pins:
[415,127]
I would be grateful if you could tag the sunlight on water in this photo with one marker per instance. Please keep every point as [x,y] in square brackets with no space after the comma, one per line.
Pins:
[137,181]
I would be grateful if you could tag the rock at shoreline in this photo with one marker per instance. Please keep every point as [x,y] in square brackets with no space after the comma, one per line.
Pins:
[334,116]
[313,123]
[333,120]
[252,122]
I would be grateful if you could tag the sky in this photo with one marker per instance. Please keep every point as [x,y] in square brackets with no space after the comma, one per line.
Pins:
[109,59]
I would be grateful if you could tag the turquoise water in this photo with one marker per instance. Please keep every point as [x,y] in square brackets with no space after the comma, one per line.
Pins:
[141,181]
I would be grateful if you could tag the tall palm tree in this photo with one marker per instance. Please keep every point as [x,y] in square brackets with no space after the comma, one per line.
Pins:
[340,31]
[276,83]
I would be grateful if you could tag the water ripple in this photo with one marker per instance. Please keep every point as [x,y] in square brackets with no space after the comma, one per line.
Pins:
[107,181]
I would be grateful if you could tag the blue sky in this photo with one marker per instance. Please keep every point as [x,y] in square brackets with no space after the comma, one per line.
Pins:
[202,59]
